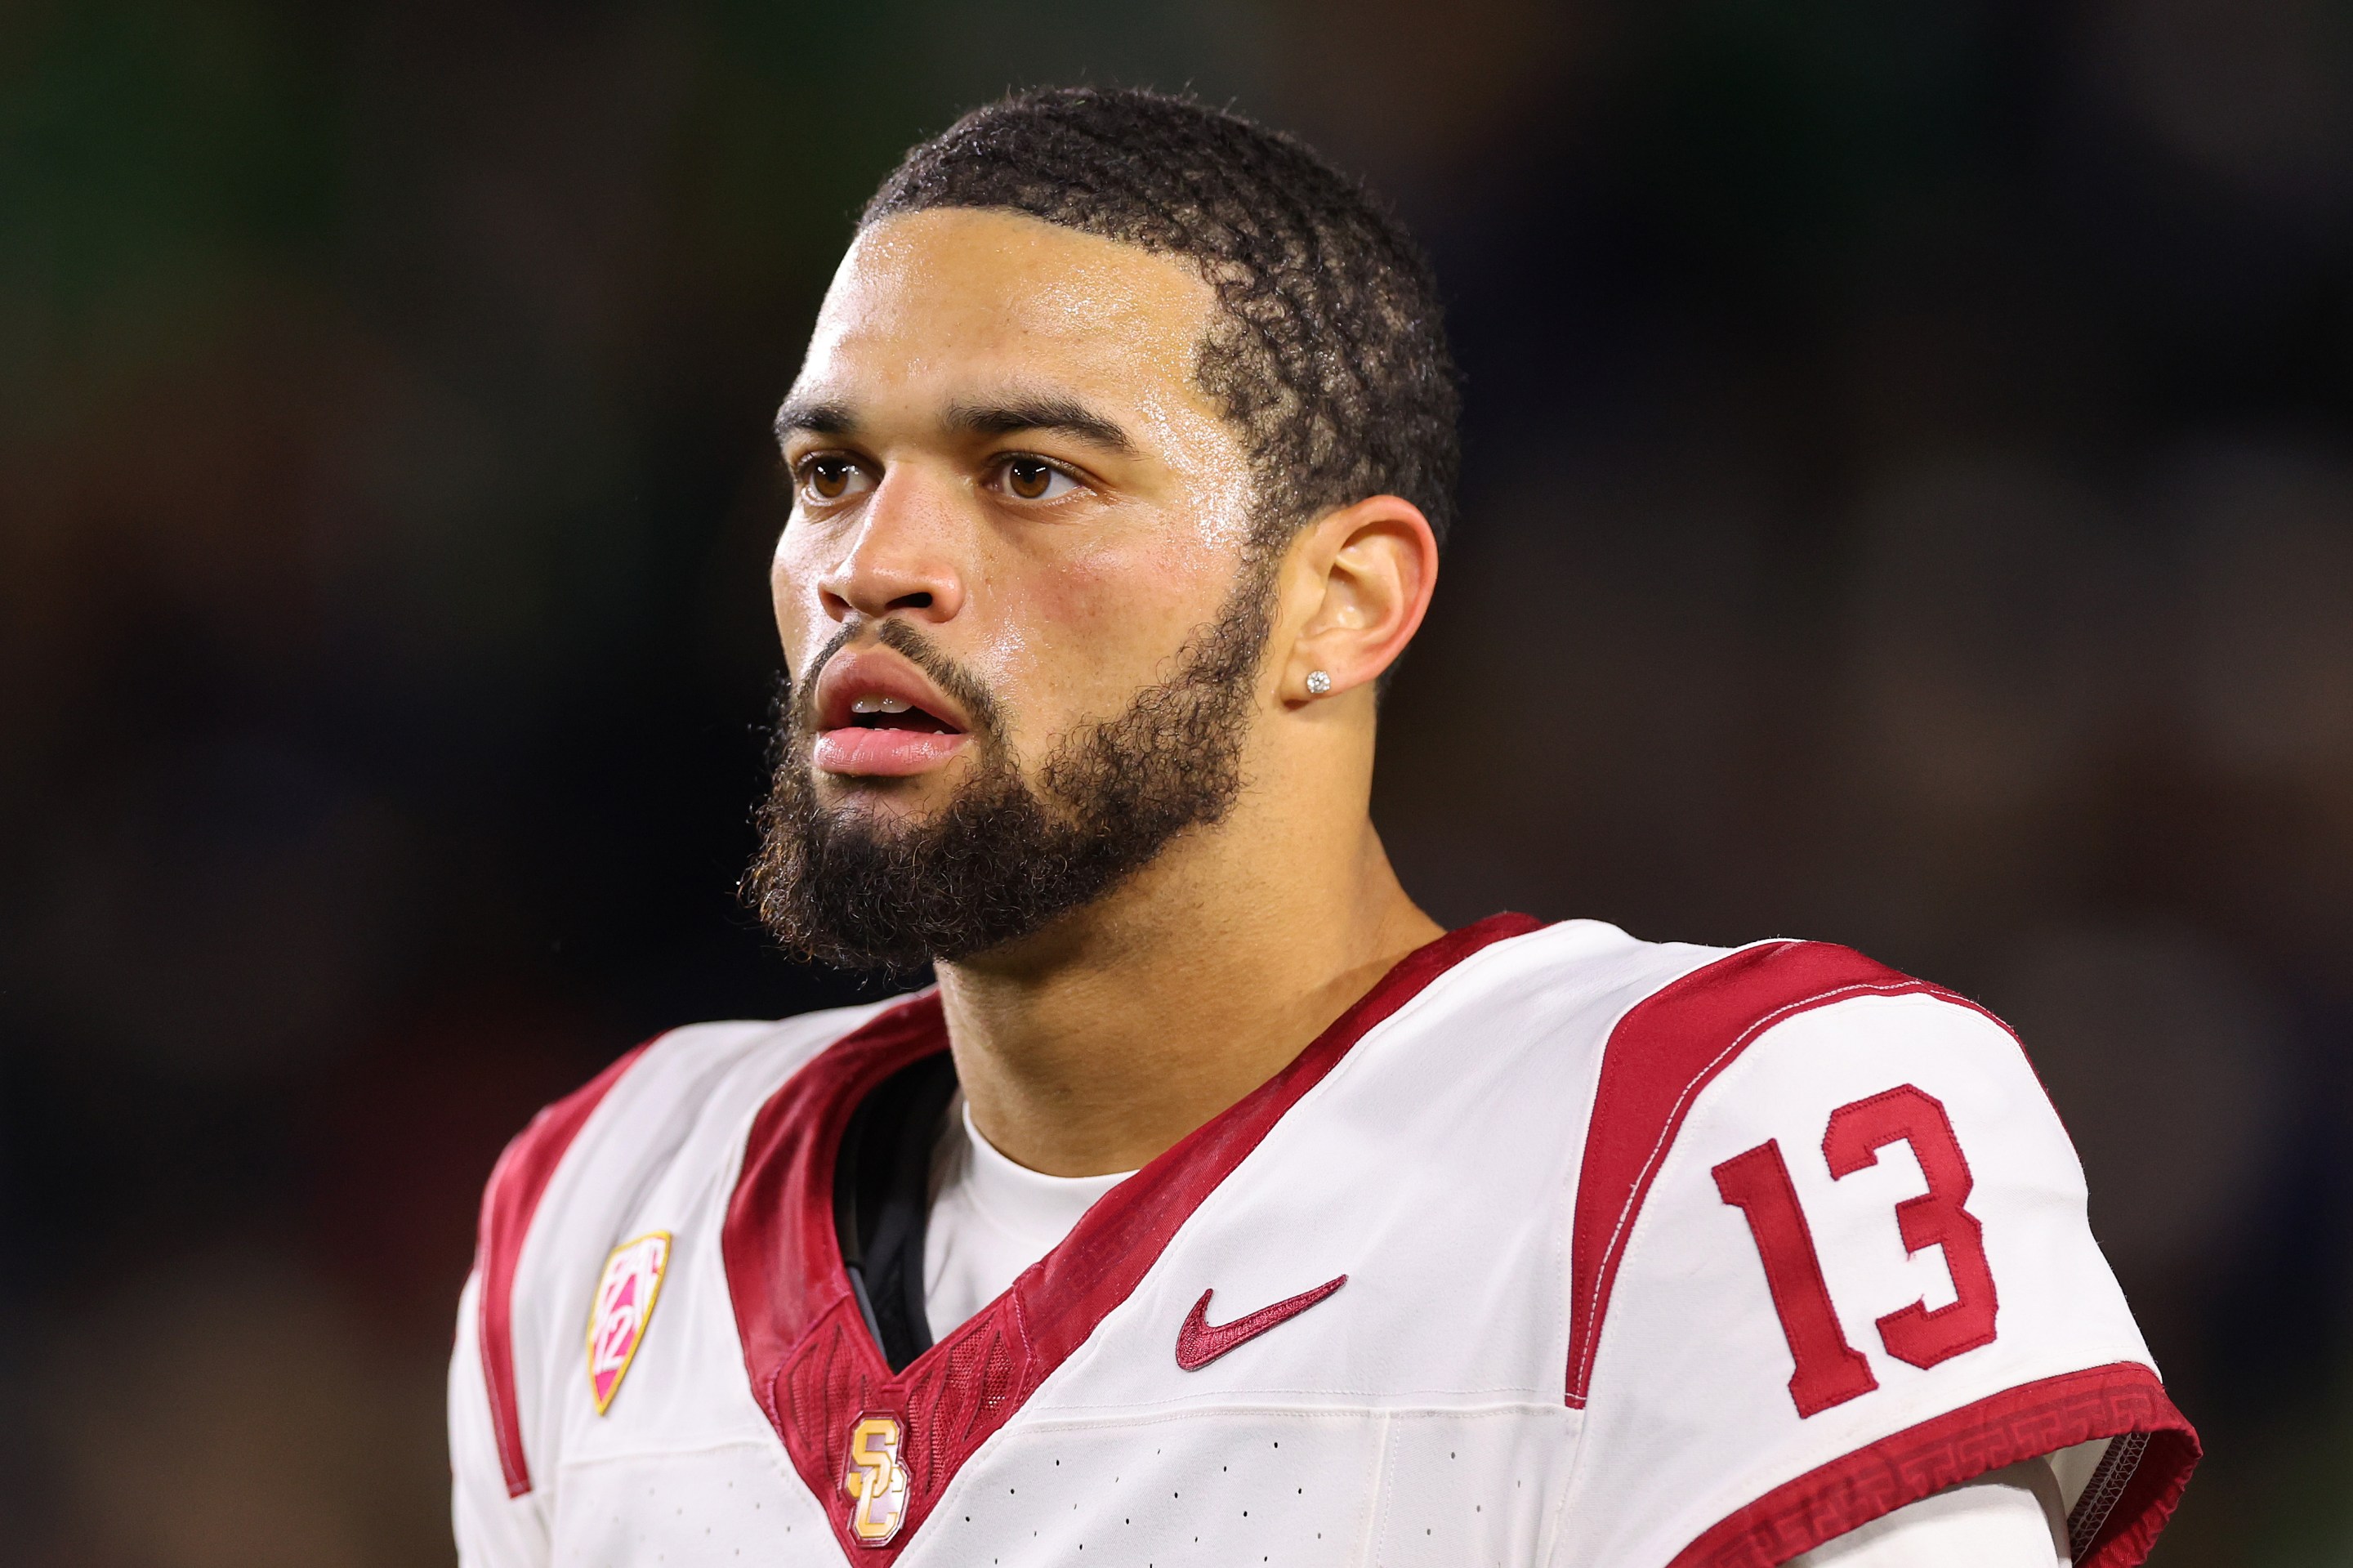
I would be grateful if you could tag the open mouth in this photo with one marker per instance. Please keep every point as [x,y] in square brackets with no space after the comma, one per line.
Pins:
[894,713]
[879,718]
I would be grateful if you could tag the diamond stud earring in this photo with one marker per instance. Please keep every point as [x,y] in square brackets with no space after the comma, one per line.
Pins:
[1319,682]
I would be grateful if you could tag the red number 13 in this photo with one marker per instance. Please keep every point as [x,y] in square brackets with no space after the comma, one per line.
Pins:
[1829,1370]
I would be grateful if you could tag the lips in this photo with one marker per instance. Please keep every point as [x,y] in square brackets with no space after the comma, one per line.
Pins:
[879,717]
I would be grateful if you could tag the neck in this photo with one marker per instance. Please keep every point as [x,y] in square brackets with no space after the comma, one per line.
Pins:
[1096,1045]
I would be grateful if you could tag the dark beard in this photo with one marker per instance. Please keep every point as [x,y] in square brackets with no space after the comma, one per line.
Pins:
[1003,861]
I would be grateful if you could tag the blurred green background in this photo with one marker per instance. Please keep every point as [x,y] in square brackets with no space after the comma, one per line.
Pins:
[1909,503]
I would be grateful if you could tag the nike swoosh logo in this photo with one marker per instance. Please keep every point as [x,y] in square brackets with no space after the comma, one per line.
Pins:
[1198,1342]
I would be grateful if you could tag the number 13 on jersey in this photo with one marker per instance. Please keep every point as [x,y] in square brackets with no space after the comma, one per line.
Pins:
[1829,1370]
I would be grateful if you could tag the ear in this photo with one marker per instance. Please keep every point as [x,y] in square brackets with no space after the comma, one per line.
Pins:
[1364,573]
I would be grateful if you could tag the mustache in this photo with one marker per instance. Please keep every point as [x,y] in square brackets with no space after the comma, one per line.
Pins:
[969,691]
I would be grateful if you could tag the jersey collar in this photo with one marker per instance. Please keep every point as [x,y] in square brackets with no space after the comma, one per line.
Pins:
[816,1372]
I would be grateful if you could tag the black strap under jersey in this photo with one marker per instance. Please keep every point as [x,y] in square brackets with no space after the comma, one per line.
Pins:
[881,1200]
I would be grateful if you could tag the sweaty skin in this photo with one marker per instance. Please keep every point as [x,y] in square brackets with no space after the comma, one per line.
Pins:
[996,437]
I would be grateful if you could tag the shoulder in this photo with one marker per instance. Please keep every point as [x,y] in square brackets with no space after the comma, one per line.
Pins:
[1625,1040]
[672,1110]
[1663,1000]
[1655,1024]
[666,1098]
[1773,1013]
[1751,1048]
[1830,1245]
[1516,980]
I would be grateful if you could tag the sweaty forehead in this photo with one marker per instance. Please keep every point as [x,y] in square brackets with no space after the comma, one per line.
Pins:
[928,304]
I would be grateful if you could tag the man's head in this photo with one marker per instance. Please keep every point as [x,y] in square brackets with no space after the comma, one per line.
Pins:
[1121,417]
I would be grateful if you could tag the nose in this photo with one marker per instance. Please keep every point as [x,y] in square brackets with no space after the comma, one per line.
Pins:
[901,559]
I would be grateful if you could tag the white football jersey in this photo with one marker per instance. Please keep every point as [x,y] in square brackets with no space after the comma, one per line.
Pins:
[1559,1247]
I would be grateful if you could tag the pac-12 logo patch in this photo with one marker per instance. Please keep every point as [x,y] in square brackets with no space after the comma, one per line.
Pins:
[875,1480]
[625,1303]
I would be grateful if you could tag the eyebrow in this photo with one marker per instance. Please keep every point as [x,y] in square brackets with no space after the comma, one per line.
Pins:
[1045,413]
[831,417]
[817,415]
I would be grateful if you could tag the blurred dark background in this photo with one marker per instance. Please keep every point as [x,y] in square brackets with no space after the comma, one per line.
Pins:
[1910,504]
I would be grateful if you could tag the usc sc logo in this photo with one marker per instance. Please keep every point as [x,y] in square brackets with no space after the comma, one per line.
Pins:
[875,1480]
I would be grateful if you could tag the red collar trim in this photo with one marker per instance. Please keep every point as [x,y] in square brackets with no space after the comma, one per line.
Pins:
[814,1368]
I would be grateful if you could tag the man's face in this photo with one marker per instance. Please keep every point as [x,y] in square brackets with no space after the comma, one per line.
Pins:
[1017,592]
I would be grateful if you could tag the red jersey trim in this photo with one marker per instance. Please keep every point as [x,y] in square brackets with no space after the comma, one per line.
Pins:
[517,1183]
[814,1368]
[2023,1423]
[1665,1050]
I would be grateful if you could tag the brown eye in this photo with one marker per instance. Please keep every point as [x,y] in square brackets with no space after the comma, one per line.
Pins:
[829,477]
[1027,478]
[1034,479]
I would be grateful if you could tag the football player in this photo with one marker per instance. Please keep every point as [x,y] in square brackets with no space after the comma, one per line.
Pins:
[1216,1206]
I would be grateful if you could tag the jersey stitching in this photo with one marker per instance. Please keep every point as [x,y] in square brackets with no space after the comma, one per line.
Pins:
[2113,1474]
[2023,1421]
[625,1455]
[1564,1224]
[1377,1523]
[1147,1416]
[1556,1530]
[1568,1241]
[1497,1399]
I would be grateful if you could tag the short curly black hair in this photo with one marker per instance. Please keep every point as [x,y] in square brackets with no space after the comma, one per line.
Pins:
[1329,355]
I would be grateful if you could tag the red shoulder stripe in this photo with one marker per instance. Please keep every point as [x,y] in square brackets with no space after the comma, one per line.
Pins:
[517,1183]
[1666,1049]
[2023,1423]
